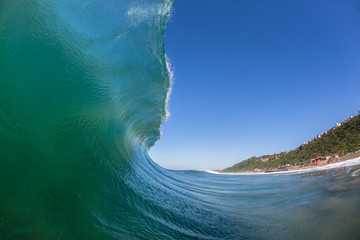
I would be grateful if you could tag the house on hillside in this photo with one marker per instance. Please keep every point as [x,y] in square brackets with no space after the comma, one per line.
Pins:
[318,160]
[333,158]
[321,160]
[311,160]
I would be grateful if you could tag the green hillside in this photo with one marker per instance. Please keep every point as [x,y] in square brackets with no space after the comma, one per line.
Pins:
[342,140]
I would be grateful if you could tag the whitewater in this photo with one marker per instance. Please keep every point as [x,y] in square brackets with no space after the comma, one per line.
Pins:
[83,92]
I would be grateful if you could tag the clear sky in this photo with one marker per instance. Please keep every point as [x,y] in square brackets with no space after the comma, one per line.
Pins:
[256,77]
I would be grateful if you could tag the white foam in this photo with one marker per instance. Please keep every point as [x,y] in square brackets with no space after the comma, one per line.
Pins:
[213,172]
[169,90]
[356,173]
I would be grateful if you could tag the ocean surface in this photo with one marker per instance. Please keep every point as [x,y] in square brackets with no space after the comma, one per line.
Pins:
[83,91]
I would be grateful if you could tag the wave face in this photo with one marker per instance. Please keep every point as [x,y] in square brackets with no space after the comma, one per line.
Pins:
[83,91]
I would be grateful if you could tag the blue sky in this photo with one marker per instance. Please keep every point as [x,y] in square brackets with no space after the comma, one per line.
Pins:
[256,77]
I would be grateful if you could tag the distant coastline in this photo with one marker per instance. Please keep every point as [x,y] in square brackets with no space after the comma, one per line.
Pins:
[338,164]
[337,144]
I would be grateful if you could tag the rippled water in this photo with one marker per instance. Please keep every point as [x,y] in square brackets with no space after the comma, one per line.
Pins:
[83,91]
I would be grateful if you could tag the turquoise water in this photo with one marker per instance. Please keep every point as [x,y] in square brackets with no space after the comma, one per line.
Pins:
[83,92]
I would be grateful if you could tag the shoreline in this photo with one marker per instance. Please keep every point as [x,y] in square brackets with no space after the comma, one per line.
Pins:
[344,163]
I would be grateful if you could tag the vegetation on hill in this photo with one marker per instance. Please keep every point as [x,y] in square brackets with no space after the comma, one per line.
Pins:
[342,139]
